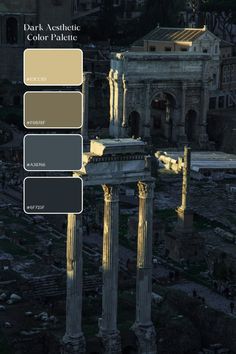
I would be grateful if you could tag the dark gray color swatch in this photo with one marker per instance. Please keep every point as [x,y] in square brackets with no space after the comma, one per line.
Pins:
[48,152]
[53,195]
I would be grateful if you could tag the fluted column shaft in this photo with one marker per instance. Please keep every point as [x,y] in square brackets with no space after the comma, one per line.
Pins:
[74,340]
[186,178]
[110,264]
[143,326]
[144,254]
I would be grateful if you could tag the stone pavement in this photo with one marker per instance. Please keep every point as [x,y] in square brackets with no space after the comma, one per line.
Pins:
[212,299]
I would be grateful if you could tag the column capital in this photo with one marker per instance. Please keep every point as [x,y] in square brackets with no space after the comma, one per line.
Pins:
[111,193]
[145,189]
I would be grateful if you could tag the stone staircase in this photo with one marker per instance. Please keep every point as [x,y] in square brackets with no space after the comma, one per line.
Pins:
[46,286]
[55,286]
[92,283]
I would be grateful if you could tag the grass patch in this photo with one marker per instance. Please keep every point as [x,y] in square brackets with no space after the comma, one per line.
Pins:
[12,115]
[4,346]
[28,238]
[11,248]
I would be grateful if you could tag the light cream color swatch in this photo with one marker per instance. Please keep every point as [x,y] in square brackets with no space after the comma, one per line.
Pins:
[53,67]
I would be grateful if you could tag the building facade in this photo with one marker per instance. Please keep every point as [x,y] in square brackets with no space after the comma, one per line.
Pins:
[13,41]
[163,87]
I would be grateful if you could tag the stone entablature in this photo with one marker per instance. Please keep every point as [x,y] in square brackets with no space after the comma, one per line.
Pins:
[147,65]
[116,162]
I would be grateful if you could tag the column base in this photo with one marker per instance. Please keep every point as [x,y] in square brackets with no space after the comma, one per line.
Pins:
[124,131]
[182,140]
[113,130]
[111,342]
[203,141]
[73,345]
[146,336]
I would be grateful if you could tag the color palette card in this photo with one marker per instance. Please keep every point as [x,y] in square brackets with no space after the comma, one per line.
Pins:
[60,110]
[53,67]
[53,195]
[53,152]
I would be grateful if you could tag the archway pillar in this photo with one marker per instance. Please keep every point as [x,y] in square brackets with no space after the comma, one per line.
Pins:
[112,89]
[73,340]
[143,327]
[182,138]
[116,105]
[203,137]
[110,262]
[124,126]
[177,129]
[146,133]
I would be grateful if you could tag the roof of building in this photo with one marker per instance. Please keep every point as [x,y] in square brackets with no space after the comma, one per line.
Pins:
[225,44]
[17,6]
[172,34]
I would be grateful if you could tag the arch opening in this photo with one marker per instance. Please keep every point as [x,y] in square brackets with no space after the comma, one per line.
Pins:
[191,125]
[12,30]
[162,109]
[134,124]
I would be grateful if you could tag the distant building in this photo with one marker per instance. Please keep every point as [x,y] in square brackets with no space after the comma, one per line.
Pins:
[167,83]
[199,40]
[179,39]
[13,41]
[125,10]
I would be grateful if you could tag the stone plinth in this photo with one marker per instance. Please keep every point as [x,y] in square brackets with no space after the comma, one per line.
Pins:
[146,336]
[184,246]
[185,220]
[143,327]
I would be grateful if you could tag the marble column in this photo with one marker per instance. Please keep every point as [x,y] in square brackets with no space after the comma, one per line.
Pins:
[143,327]
[124,118]
[115,129]
[185,214]
[85,91]
[112,96]
[110,262]
[73,341]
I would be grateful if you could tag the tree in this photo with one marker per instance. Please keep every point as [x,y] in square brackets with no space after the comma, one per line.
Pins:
[222,14]
[162,12]
[107,21]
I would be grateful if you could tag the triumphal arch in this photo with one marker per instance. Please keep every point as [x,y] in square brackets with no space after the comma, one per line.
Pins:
[160,94]
[109,164]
